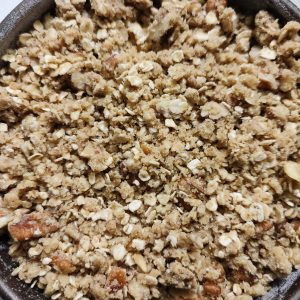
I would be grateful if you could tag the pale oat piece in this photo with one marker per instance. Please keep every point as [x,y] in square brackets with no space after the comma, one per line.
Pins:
[151,151]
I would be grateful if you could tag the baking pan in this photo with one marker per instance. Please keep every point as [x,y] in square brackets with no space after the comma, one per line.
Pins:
[20,20]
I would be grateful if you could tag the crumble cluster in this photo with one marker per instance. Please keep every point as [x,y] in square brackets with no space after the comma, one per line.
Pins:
[151,151]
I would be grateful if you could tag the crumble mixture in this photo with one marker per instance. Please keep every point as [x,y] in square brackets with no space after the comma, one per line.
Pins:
[151,151]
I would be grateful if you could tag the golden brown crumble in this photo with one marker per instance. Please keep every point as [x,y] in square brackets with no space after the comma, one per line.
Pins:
[151,151]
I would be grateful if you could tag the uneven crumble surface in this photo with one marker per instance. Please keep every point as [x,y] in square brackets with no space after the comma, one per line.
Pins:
[152,152]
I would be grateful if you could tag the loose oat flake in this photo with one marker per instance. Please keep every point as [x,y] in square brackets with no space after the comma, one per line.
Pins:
[151,150]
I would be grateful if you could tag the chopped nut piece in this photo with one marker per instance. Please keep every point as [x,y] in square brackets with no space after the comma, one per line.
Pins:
[241,275]
[212,289]
[265,226]
[63,264]
[213,4]
[116,279]
[296,224]
[146,149]
[32,226]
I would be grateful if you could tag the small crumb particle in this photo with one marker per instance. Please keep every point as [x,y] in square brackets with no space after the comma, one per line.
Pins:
[134,205]
[3,127]
[170,123]
[118,252]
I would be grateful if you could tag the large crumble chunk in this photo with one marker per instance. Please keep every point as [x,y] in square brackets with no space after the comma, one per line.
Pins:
[151,150]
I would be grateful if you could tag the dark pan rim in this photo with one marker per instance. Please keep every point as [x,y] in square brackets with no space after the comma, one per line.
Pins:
[20,20]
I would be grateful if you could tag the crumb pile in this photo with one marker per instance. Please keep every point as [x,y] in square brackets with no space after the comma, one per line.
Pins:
[151,151]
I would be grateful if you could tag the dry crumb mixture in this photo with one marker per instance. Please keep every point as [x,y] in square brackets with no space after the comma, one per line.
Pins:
[151,151]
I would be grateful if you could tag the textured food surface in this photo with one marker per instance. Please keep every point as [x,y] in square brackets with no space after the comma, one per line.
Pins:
[151,151]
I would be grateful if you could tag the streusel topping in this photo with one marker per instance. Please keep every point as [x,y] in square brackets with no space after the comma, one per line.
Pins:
[151,151]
